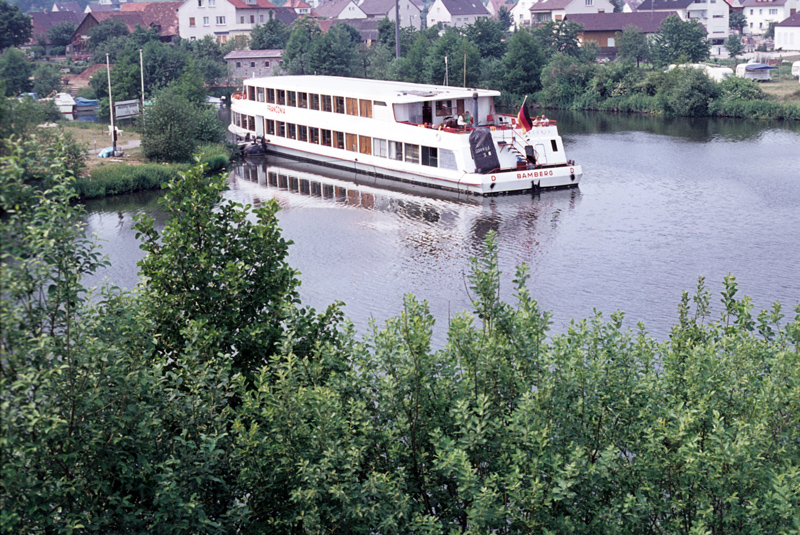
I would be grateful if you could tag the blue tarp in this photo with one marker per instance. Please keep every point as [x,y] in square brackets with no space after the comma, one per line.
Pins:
[106,153]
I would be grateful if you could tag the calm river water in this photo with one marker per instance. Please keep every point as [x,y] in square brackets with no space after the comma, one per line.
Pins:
[661,203]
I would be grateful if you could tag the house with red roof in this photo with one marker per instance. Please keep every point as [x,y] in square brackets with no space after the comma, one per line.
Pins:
[602,28]
[554,10]
[340,9]
[787,33]
[41,23]
[410,13]
[714,16]
[73,6]
[223,19]
[493,6]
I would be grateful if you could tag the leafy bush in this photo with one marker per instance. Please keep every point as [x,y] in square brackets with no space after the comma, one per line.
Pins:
[734,87]
[691,93]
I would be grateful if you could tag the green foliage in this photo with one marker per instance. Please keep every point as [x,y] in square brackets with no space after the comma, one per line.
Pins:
[15,71]
[632,43]
[46,79]
[680,41]
[60,34]
[739,88]
[296,59]
[737,20]
[456,48]
[334,53]
[523,64]
[16,27]
[108,30]
[270,36]
[564,78]
[559,36]
[734,45]
[690,93]
[488,35]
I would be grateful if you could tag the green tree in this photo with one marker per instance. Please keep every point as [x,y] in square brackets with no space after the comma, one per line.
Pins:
[489,36]
[61,34]
[460,53]
[46,79]
[270,36]
[633,44]
[734,45]
[737,20]
[305,31]
[16,71]
[770,33]
[523,64]
[559,36]
[689,93]
[564,79]
[107,30]
[411,68]
[504,17]
[680,41]
[16,27]
[335,53]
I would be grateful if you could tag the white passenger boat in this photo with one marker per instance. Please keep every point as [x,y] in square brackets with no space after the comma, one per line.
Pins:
[402,132]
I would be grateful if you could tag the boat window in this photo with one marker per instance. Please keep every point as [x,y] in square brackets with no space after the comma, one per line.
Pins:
[291,130]
[327,139]
[444,108]
[260,94]
[271,95]
[365,108]
[251,123]
[302,100]
[302,133]
[364,145]
[460,106]
[291,98]
[314,102]
[395,150]
[339,103]
[378,103]
[270,127]
[351,141]
[251,93]
[412,153]
[554,145]
[379,147]
[237,119]
[447,159]
[281,97]
[326,103]
[338,140]
[430,156]
[313,135]
[352,106]
[281,129]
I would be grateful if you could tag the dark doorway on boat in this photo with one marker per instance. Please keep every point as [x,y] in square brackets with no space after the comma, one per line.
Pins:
[427,113]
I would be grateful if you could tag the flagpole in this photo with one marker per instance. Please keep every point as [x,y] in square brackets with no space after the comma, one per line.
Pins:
[111,110]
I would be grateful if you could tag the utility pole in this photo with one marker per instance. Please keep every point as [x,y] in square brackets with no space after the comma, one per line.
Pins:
[111,110]
[397,28]
[141,70]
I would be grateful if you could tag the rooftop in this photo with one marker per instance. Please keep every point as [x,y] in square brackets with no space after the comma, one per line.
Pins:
[646,21]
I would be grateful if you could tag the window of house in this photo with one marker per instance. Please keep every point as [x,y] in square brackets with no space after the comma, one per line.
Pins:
[351,142]
[589,2]
[326,136]
[365,108]
[291,98]
[220,21]
[302,100]
[241,20]
[270,95]
[430,156]
[212,3]
[773,11]
[412,153]
[302,133]
[291,130]
[379,147]
[313,135]
[252,19]
[252,63]
[205,21]
[191,22]
[222,39]
[364,145]
[339,103]
[313,102]
[199,3]
[326,103]
[281,97]
[261,18]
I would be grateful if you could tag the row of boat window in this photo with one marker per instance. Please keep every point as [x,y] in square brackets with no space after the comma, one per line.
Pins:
[313,101]
[384,148]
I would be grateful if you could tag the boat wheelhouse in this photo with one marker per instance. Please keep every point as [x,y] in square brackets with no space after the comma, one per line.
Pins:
[404,132]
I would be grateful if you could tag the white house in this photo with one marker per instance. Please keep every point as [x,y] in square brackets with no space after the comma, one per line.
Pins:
[300,7]
[456,12]
[712,14]
[521,13]
[787,33]
[760,13]
[553,10]
[341,9]
[224,19]
[493,7]
[410,13]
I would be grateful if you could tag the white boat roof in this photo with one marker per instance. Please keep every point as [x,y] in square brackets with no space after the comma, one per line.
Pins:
[386,90]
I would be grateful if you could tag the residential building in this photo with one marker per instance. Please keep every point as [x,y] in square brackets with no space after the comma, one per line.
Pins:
[456,13]
[712,14]
[58,7]
[554,10]
[493,6]
[300,7]
[602,28]
[223,19]
[41,22]
[521,13]
[253,63]
[787,33]
[340,9]
[410,13]
[760,13]
[160,15]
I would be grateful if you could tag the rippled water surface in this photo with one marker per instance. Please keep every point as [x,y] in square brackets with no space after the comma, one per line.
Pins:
[661,203]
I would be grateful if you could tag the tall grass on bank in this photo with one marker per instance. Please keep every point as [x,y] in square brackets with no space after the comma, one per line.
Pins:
[117,179]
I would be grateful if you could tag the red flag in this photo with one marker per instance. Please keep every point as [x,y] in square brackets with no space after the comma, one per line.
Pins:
[524,119]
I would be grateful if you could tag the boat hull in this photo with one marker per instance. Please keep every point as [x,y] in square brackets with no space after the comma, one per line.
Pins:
[503,182]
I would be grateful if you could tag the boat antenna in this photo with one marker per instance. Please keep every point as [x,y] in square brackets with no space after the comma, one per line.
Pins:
[111,110]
